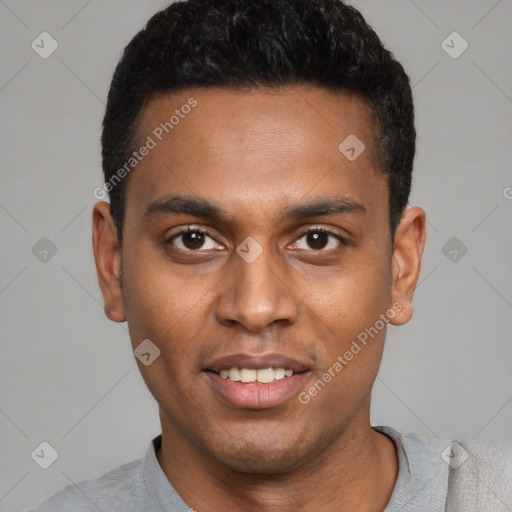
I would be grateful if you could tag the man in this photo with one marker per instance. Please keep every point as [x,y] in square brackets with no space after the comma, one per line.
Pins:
[258,158]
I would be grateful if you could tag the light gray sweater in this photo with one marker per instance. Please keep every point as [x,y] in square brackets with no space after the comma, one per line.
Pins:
[435,475]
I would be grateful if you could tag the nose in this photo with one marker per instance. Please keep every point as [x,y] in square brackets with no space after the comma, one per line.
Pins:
[257,294]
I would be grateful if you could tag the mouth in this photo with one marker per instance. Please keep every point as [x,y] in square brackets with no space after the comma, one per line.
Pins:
[256,381]
[255,376]
[251,376]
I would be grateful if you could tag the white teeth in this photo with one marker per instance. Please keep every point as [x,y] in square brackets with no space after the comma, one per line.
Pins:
[233,374]
[265,376]
[249,375]
[279,373]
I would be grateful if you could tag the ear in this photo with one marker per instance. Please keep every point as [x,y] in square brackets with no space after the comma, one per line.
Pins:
[108,261]
[406,261]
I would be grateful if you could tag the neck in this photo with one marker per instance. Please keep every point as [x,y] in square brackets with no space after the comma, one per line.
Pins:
[357,472]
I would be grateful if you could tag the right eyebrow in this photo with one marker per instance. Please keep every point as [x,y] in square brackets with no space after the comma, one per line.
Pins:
[185,206]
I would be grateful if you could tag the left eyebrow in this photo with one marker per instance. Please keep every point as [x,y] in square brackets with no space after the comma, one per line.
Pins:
[325,207]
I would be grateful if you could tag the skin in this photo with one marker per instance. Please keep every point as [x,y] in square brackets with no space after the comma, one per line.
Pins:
[255,154]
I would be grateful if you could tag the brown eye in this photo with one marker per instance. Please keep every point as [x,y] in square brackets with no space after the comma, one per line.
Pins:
[193,239]
[319,240]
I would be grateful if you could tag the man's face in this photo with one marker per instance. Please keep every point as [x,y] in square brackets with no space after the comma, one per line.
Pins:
[257,157]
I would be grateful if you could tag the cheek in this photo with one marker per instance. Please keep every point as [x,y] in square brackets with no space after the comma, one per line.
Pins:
[353,346]
[161,304]
[347,309]
[353,296]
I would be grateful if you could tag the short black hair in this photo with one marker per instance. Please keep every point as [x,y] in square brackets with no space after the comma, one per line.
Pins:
[257,44]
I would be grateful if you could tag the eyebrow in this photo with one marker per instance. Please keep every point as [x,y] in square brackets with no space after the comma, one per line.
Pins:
[197,207]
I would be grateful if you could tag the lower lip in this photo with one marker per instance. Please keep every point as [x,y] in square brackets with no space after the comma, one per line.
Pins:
[257,396]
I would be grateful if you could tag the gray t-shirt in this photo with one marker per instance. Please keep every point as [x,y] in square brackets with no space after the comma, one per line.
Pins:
[435,475]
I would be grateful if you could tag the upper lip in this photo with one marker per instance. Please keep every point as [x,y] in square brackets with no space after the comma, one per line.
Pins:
[257,362]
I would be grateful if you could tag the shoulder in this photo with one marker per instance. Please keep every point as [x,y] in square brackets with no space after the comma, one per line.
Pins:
[122,486]
[482,478]
[464,475]
[420,453]
[422,481]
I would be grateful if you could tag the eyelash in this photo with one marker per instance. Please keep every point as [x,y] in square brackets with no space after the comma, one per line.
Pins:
[192,229]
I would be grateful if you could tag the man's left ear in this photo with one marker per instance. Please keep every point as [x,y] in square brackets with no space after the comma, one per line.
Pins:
[408,248]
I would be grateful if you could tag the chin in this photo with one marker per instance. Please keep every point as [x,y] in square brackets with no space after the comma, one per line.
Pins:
[261,462]
[262,456]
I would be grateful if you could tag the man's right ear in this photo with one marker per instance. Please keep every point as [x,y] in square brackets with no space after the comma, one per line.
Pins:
[107,256]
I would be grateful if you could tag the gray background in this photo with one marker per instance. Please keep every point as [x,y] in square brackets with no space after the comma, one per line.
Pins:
[67,374]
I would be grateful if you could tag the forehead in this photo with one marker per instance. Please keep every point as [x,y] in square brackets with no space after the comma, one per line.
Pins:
[247,145]
[253,116]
